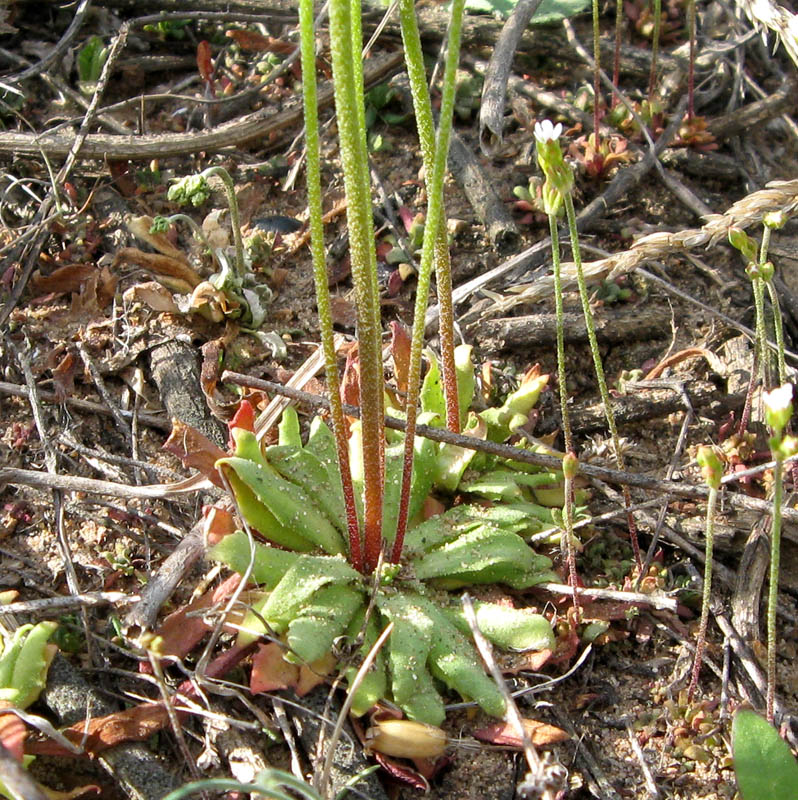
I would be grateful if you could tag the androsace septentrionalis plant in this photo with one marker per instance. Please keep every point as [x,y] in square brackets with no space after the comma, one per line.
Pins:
[559,186]
[330,504]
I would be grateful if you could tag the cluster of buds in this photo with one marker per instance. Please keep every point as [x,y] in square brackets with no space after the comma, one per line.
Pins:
[559,176]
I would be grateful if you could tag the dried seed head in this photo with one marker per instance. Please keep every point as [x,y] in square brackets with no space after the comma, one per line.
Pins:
[404,738]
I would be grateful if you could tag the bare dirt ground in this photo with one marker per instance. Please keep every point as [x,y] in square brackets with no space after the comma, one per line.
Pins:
[85,324]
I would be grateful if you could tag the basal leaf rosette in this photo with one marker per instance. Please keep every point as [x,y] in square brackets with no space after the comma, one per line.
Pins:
[309,596]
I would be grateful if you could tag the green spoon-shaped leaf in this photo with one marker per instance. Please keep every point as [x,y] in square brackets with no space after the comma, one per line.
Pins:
[763,763]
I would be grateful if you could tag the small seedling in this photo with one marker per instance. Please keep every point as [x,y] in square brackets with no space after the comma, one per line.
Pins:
[91,60]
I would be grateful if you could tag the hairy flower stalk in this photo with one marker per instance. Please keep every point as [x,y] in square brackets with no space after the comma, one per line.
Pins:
[431,231]
[712,470]
[596,72]
[320,276]
[557,183]
[652,77]
[352,136]
[599,368]
[414,60]
[560,182]
[778,412]
[773,221]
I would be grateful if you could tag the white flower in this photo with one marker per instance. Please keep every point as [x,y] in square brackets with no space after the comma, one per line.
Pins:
[546,131]
[778,406]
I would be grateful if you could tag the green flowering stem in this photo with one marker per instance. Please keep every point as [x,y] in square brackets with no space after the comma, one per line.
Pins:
[320,276]
[778,411]
[691,18]
[558,308]
[235,218]
[349,104]
[758,286]
[778,324]
[652,78]
[773,587]
[599,368]
[596,72]
[431,234]
[414,61]
[570,469]
[766,273]
[712,469]
[616,63]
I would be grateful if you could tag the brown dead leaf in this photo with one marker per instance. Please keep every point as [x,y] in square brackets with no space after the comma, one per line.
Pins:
[217,523]
[64,280]
[400,350]
[504,733]
[79,791]
[212,304]
[195,450]
[12,734]
[270,671]
[64,377]
[211,372]
[313,675]
[257,43]
[95,294]
[140,228]
[153,295]
[183,629]
[95,735]
[172,272]
[350,391]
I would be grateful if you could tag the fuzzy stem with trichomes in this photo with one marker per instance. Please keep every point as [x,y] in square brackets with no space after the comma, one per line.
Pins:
[778,412]
[599,368]
[596,72]
[652,77]
[712,469]
[691,19]
[773,584]
[616,62]
[568,516]
[431,231]
[323,303]
[354,161]
[766,272]
[414,61]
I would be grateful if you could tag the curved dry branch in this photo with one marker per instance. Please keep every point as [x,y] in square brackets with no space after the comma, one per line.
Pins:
[258,125]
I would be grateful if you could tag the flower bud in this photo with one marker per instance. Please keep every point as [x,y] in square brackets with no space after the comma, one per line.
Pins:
[740,240]
[570,465]
[711,465]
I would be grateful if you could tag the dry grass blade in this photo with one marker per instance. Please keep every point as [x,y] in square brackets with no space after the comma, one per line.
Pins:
[778,196]
[546,778]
